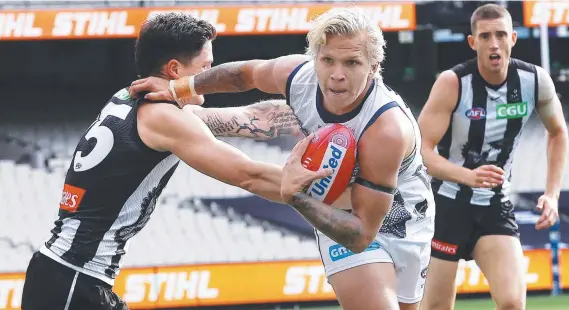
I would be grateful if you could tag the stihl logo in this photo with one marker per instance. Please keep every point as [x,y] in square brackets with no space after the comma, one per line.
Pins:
[91,23]
[71,198]
[169,286]
[11,293]
[444,247]
[18,25]
[306,280]
[556,13]
[469,274]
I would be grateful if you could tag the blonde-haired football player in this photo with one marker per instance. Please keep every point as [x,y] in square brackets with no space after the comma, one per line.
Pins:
[375,240]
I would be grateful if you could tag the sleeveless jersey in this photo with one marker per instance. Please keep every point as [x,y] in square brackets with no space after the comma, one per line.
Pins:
[485,127]
[413,204]
[110,191]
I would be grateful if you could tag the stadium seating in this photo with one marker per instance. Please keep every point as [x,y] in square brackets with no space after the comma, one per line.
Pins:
[183,229]
[60,139]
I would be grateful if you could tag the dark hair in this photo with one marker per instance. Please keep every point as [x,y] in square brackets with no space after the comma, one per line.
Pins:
[170,36]
[487,12]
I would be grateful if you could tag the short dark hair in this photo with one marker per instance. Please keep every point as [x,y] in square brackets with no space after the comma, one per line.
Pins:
[487,12]
[170,36]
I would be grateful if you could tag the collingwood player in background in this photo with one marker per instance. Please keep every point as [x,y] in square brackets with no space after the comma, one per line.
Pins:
[474,115]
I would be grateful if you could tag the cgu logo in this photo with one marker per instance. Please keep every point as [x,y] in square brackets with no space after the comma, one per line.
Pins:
[476,114]
[332,159]
[512,110]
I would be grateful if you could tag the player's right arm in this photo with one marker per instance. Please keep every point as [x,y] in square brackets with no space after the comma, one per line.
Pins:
[164,127]
[269,76]
[434,121]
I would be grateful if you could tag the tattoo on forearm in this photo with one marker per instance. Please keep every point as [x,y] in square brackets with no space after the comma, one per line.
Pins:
[263,120]
[254,130]
[281,120]
[224,78]
[339,225]
[219,126]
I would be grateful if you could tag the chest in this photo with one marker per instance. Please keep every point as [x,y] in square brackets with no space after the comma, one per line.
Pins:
[312,118]
[495,105]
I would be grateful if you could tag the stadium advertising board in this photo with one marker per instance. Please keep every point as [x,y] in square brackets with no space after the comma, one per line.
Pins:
[228,20]
[555,12]
[262,282]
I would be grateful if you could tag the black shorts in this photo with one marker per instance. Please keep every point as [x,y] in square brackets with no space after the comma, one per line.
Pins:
[50,285]
[458,226]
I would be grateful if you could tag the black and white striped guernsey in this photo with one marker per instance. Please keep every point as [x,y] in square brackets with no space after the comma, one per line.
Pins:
[110,192]
[485,127]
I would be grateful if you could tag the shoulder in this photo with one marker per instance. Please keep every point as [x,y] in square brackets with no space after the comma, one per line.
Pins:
[159,124]
[390,128]
[445,95]
[448,78]
[446,88]
[292,64]
[545,86]
[292,61]
[287,65]
[384,144]
[156,112]
[525,66]
[283,70]
[465,68]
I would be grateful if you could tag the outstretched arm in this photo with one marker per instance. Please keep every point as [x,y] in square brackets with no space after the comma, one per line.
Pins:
[164,127]
[269,76]
[380,153]
[263,120]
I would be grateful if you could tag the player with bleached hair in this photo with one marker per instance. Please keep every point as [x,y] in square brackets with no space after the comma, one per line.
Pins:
[375,240]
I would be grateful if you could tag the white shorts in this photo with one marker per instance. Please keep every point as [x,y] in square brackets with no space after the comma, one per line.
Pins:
[410,257]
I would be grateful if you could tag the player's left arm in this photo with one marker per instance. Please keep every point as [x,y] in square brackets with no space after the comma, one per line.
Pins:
[380,153]
[551,114]
[263,120]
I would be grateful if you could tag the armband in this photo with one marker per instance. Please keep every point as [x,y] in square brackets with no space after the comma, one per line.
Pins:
[363,182]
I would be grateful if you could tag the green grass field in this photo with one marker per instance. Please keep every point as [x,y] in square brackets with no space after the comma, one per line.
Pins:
[533,303]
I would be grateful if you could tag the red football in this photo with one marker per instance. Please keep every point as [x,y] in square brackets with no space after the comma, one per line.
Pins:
[333,146]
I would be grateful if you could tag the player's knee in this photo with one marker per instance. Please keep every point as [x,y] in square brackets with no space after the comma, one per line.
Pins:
[436,304]
[510,297]
[511,303]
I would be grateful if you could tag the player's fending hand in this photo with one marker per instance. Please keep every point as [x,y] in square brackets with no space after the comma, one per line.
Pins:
[295,177]
[157,89]
[547,205]
[486,176]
